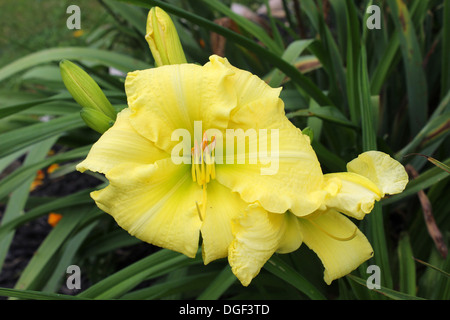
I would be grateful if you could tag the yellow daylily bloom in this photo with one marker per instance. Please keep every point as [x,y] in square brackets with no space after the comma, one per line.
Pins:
[248,183]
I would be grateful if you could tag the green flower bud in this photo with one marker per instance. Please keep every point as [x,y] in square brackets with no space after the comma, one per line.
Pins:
[96,120]
[162,37]
[84,89]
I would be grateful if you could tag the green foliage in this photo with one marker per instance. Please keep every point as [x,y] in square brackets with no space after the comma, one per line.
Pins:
[354,88]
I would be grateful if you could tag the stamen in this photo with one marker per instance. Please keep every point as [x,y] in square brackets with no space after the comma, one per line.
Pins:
[333,236]
[203,165]
[203,168]
[194,176]
[198,211]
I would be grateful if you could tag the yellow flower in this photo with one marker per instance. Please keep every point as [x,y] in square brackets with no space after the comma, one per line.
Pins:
[248,183]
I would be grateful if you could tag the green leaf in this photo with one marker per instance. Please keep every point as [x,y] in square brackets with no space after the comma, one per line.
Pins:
[407,266]
[35,295]
[445,82]
[220,284]
[282,270]
[131,14]
[353,58]
[392,294]
[68,255]
[17,199]
[172,286]
[79,198]
[101,57]
[437,128]
[15,140]
[437,163]
[422,182]
[293,51]
[126,279]
[412,59]
[331,114]
[109,242]
[50,245]
[246,25]
[446,274]
[11,109]
[20,175]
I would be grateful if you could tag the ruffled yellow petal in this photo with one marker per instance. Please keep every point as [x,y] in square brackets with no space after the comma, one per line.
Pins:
[258,234]
[350,193]
[328,236]
[288,177]
[388,174]
[371,176]
[172,97]
[250,88]
[121,144]
[155,203]
[222,206]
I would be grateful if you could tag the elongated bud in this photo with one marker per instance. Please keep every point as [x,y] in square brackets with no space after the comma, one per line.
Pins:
[84,89]
[162,37]
[96,120]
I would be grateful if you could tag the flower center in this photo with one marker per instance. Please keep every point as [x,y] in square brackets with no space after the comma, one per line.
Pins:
[203,168]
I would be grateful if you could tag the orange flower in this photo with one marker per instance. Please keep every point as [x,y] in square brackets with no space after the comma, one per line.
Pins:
[53,218]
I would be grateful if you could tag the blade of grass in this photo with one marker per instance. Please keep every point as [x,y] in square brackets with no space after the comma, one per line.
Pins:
[8,110]
[219,285]
[412,58]
[78,198]
[353,54]
[292,52]
[445,82]
[246,25]
[18,198]
[282,270]
[109,242]
[446,274]
[407,267]
[101,57]
[126,279]
[436,128]
[69,252]
[131,14]
[172,286]
[391,53]
[423,181]
[392,294]
[14,179]
[35,295]
[23,137]
[331,114]
[50,246]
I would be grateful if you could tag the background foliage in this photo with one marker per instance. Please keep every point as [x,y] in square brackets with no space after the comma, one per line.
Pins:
[357,89]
